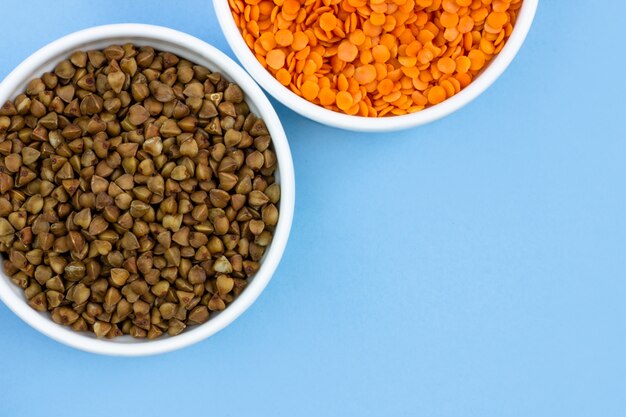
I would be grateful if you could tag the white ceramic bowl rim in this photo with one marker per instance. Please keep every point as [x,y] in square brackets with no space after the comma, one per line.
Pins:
[193,49]
[384,124]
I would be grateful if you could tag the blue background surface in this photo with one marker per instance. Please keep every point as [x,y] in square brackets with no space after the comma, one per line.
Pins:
[472,267]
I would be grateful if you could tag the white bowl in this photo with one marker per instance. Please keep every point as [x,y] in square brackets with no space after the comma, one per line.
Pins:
[199,52]
[383,124]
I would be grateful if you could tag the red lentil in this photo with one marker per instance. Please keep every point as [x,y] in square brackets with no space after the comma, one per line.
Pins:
[375,57]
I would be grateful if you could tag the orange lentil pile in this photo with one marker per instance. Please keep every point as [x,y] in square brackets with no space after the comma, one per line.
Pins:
[375,57]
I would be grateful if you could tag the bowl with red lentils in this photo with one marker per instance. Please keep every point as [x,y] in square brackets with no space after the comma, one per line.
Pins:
[375,65]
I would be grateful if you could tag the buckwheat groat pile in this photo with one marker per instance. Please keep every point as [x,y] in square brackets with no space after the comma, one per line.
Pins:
[137,192]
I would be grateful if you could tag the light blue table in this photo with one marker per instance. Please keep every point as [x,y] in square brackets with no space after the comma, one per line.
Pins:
[472,267]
